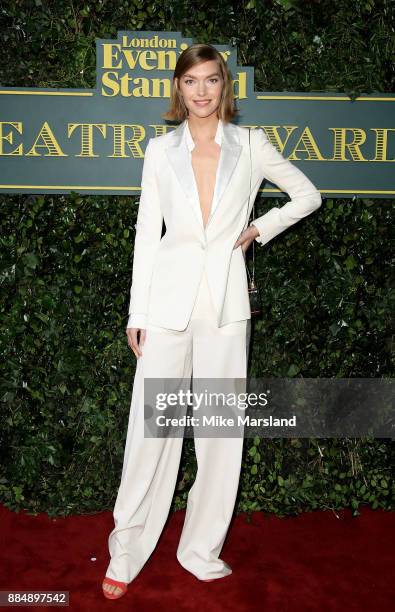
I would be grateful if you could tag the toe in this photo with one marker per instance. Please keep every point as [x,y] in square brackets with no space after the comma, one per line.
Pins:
[112,589]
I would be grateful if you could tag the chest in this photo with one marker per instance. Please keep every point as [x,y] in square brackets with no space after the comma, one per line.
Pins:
[205,162]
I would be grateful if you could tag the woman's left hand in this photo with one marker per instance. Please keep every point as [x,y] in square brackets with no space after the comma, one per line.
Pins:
[246,238]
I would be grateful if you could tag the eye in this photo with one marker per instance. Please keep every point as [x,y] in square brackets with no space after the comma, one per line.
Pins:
[188,81]
[214,79]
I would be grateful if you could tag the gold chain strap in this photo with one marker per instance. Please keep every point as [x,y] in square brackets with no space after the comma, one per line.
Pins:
[251,277]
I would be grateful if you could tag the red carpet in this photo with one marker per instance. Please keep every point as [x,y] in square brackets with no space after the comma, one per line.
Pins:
[314,562]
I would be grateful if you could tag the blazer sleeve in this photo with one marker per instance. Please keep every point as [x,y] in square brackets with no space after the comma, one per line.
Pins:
[305,198]
[148,235]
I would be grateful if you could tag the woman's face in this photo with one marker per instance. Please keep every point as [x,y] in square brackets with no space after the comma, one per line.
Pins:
[201,88]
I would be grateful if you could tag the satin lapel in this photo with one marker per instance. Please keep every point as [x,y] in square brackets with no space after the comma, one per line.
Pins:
[230,154]
[178,156]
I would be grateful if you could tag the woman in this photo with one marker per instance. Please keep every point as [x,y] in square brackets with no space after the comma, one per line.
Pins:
[189,308]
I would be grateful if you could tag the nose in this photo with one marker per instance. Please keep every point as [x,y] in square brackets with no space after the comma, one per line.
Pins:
[202,89]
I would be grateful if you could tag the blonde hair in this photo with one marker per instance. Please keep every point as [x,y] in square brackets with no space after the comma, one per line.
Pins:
[193,55]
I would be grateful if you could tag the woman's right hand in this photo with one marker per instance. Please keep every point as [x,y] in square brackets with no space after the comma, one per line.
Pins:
[131,333]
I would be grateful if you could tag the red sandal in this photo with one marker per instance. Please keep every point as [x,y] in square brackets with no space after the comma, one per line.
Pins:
[116,583]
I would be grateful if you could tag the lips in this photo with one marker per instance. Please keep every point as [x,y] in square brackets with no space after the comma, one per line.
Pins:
[202,102]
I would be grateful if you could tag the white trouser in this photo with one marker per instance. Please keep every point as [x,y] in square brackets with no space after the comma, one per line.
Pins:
[151,465]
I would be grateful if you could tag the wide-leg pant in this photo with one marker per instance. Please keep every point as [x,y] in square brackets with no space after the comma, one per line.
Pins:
[150,465]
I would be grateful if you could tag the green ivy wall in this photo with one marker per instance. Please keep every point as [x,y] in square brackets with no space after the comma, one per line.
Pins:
[327,283]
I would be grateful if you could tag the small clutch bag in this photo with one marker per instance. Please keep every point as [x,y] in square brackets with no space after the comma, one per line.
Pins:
[255,297]
[253,289]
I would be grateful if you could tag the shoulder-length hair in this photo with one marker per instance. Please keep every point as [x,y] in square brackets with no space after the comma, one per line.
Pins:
[193,55]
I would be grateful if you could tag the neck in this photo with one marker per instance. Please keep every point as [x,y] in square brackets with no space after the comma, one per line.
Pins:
[203,128]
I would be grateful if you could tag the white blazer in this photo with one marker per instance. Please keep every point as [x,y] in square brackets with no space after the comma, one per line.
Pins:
[167,270]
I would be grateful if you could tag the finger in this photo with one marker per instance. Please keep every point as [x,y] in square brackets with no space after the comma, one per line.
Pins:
[142,337]
[129,336]
[136,351]
[132,341]
[135,345]
[239,241]
[245,246]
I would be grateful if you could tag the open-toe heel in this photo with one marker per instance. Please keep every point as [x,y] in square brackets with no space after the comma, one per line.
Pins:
[121,585]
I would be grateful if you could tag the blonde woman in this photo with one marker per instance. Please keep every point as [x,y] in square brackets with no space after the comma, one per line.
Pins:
[189,307]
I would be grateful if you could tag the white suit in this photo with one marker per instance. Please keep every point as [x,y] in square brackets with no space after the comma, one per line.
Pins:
[189,292]
[167,270]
